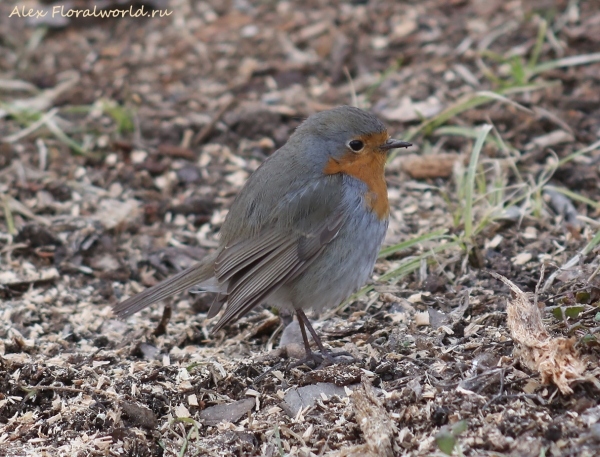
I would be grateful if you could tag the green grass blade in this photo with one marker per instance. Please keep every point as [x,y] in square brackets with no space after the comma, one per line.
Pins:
[64,138]
[592,244]
[472,133]
[122,116]
[411,264]
[590,148]
[393,68]
[410,243]
[529,87]
[575,196]
[463,105]
[572,61]
[470,184]
[10,222]
[539,43]
[518,70]
[408,266]
[474,100]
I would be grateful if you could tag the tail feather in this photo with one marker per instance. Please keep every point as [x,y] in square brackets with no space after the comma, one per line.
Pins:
[198,273]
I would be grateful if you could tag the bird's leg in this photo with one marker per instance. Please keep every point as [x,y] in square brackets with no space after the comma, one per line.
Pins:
[313,357]
[303,321]
[305,336]
[326,357]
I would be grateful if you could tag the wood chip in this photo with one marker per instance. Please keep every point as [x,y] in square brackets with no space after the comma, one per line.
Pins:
[522,258]
[430,166]
[422,319]
[26,276]
[182,411]
[140,415]
[177,152]
[373,419]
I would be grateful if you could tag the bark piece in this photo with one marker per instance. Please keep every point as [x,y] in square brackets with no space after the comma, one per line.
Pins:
[300,398]
[231,412]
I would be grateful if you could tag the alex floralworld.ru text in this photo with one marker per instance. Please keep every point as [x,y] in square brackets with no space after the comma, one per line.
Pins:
[59,10]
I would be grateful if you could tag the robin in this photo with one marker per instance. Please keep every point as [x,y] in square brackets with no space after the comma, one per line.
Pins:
[304,231]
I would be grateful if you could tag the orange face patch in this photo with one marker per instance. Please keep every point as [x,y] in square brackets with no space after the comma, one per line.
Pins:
[368,166]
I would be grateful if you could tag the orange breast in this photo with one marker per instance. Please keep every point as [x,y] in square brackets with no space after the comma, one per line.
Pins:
[368,166]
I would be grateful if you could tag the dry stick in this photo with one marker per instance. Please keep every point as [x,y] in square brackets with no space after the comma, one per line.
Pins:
[73,390]
[594,274]
[571,263]
[161,328]
[88,359]
[538,286]
[493,399]
[499,397]
[325,445]
[274,335]
[352,89]
[260,377]
[208,128]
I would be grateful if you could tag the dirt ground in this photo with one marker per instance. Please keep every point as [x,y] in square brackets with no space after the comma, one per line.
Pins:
[123,141]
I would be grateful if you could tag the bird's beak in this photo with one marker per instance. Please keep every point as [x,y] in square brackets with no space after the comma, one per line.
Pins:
[394,144]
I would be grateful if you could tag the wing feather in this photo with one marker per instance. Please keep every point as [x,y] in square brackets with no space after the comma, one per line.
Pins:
[277,267]
[233,258]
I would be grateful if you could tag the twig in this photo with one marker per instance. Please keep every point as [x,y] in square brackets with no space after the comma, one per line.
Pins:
[161,328]
[573,261]
[259,378]
[499,397]
[208,128]
[594,274]
[71,389]
[43,151]
[539,285]
[482,382]
[88,359]
[352,89]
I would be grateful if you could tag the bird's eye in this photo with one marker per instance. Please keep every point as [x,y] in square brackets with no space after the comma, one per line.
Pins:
[356,145]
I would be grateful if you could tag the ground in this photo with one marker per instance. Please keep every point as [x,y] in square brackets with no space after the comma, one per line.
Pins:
[123,141]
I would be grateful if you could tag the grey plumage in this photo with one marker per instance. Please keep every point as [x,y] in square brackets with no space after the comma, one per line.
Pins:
[294,236]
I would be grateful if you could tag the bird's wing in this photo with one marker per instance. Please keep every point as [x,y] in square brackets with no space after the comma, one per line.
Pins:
[257,267]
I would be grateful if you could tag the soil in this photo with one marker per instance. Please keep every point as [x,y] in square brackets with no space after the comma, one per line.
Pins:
[143,130]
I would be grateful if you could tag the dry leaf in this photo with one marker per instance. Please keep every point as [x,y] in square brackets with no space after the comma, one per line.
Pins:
[556,359]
